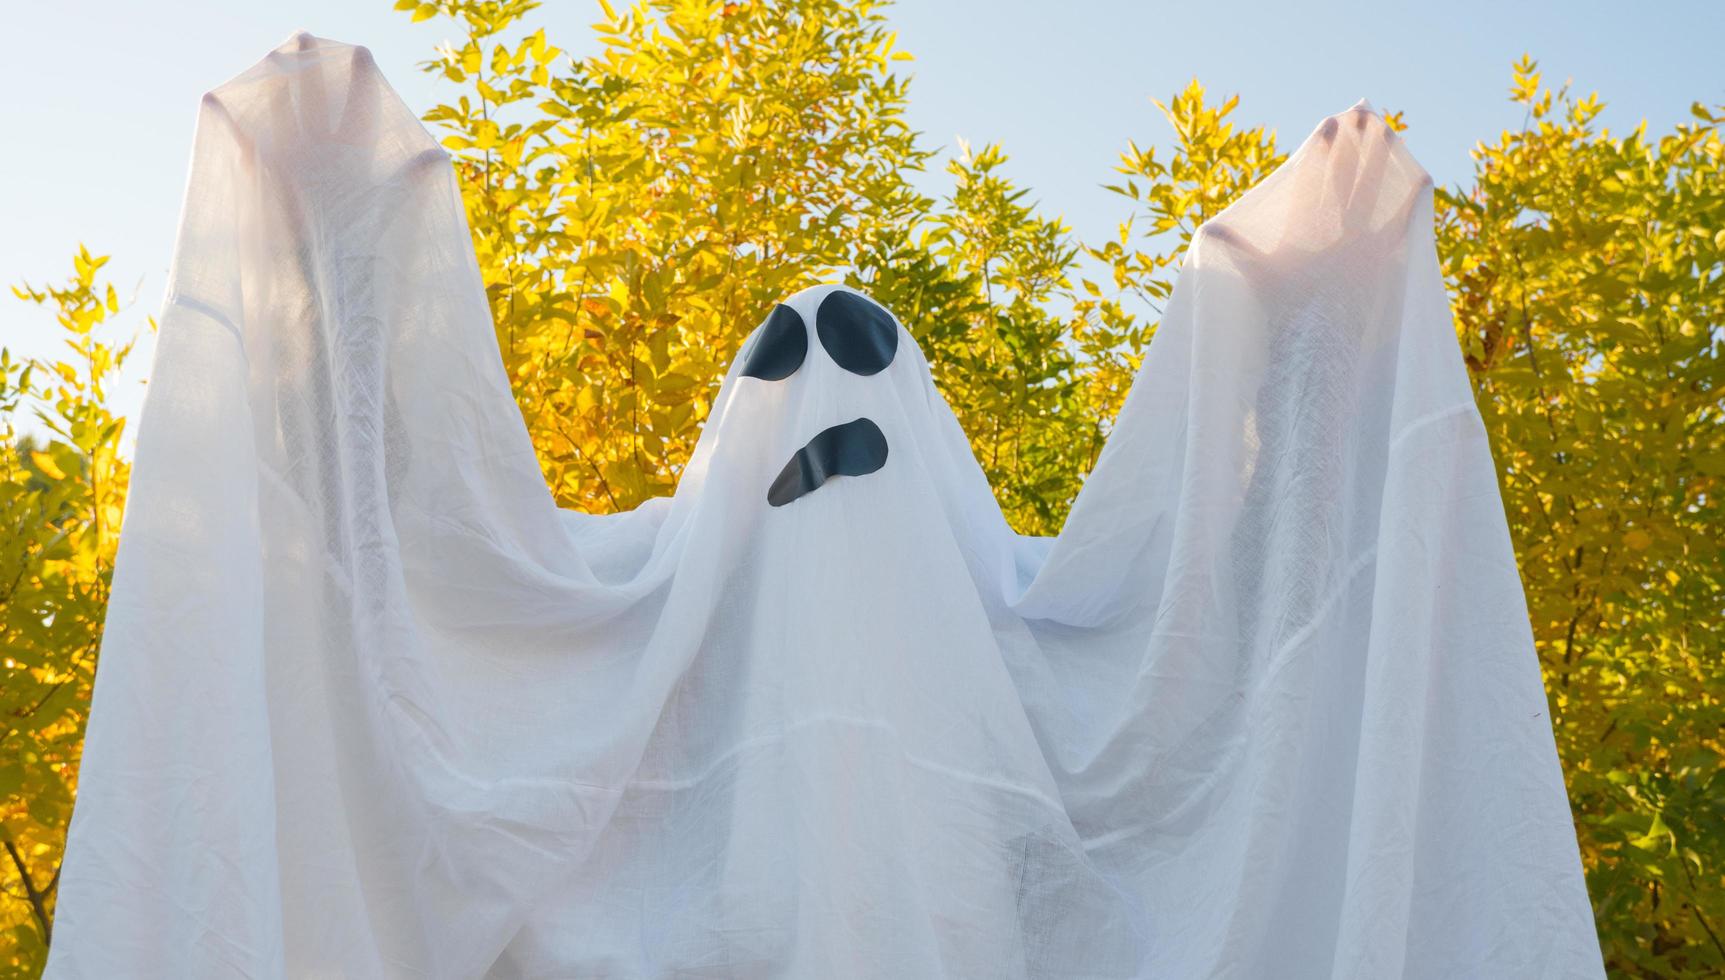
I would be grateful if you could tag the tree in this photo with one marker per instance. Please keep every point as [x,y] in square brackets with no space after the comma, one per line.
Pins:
[999,353]
[60,501]
[638,212]
[1585,271]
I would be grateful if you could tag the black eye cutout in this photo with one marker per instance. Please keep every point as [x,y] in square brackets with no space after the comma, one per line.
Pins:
[779,348]
[859,336]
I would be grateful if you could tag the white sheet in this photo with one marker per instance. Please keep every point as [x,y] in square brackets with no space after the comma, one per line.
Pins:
[370,705]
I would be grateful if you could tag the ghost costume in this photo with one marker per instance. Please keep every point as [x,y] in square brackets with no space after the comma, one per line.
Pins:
[371,705]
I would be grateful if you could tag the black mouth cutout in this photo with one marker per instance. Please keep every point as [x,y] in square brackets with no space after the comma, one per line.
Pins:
[855,448]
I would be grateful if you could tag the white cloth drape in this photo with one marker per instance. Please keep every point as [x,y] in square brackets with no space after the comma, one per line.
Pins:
[370,705]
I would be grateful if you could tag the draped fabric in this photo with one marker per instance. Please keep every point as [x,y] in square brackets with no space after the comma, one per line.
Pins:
[371,705]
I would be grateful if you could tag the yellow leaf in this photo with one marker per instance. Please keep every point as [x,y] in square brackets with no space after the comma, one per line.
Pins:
[46,464]
[585,399]
[1638,539]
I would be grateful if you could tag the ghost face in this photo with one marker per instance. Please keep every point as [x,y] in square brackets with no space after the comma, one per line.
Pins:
[861,338]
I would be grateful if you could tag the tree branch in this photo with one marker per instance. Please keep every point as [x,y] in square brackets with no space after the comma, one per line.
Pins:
[38,899]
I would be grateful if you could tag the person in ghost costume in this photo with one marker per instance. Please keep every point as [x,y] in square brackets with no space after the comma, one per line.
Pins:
[371,705]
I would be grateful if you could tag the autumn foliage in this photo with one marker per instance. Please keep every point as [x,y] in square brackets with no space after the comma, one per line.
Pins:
[635,213]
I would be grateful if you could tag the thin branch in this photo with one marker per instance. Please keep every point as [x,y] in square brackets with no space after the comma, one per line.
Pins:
[38,898]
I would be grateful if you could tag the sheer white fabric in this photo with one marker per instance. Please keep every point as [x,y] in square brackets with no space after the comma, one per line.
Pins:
[370,705]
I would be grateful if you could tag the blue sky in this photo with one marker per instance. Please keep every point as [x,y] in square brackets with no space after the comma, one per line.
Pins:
[101,96]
